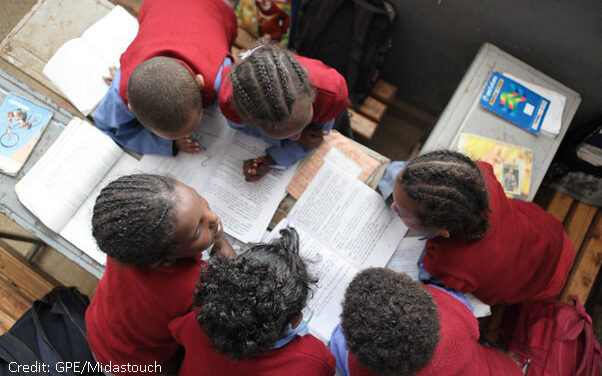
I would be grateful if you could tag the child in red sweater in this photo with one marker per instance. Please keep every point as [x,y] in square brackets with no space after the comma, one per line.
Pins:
[153,229]
[168,74]
[391,325]
[247,318]
[501,250]
[288,100]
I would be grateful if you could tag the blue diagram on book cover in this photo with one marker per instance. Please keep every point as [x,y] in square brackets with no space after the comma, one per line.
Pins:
[514,102]
[20,121]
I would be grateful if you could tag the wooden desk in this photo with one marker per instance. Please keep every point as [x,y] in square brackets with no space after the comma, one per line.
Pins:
[10,205]
[464,114]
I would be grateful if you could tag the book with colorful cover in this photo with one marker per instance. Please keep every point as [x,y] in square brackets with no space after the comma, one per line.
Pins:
[21,126]
[514,102]
[512,164]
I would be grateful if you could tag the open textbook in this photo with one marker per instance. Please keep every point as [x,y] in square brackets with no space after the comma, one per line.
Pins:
[78,66]
[61,188]
[344,227]
[405,260]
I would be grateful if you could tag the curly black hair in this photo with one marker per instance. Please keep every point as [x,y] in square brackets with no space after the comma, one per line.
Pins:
[267,84]
[164,94]
[390,322]
[451,192]
[133,221]
[245,304]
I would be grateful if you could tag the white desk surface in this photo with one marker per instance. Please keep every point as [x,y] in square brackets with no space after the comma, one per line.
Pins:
[464,114]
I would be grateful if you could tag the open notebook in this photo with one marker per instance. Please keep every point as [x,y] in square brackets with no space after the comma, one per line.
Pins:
[344,227]
[78,66]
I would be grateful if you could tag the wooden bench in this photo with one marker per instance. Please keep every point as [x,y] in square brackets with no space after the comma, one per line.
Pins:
[20,284]
[583,224]
[365,119]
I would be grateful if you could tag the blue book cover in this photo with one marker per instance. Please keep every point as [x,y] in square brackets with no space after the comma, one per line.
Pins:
[514,102]
[21,126]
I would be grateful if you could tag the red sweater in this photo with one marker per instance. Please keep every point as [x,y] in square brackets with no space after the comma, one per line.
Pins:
[331,92]
[302,356]
[128,317]
[198,33]
[458,352]
[525,254]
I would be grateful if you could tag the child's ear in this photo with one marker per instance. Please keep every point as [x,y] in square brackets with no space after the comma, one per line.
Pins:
[200,80]
[296,320]
[442,232]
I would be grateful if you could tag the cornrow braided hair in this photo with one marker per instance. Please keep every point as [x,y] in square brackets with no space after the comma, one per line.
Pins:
[267,85]
[451,192]
[133,221]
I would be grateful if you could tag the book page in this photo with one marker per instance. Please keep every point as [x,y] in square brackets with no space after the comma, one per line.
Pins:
[112,34]
[245,208]
[77,70]
[349,217]
[78,231]
[59,183]
[334,275]
[340,151]
[195,170]
[406,256]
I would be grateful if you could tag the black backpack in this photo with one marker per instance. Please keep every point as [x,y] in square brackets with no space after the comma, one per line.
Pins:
[352,36]
[53,333]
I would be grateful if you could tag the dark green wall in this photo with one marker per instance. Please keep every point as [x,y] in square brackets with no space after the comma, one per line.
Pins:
[434,42]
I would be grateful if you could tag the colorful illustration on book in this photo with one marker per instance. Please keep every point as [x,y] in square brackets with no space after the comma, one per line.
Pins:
[510,99]
[512,164]
[514,102]
[20,124]
[265,17]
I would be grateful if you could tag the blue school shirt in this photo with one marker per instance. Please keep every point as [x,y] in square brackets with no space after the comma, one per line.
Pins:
[338,345]
[283,152]
[115,119]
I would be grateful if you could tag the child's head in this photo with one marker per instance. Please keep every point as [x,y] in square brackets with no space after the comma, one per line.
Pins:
[272,92]
[152,220]
[442,192]
[390,322]
[166,97]
[246,304]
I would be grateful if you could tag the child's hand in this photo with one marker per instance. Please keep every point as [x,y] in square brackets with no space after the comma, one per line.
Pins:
[108,80]
[223,248]
[255,169]
[311,138]
[188,145]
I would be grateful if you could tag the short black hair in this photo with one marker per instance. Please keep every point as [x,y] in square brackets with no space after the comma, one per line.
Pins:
[267,85]
[134,221]
[245,303]
[390,322]
[164,94]
[451,192]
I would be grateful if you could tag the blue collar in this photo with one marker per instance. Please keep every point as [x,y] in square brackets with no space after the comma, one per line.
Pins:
[291,333]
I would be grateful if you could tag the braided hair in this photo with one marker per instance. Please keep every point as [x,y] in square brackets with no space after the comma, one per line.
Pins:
[451,192]
[268,85]
[245,304]
[134,221]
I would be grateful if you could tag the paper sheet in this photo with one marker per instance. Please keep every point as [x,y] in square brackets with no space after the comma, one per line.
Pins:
[553,120]
[349,217]
[340,151]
